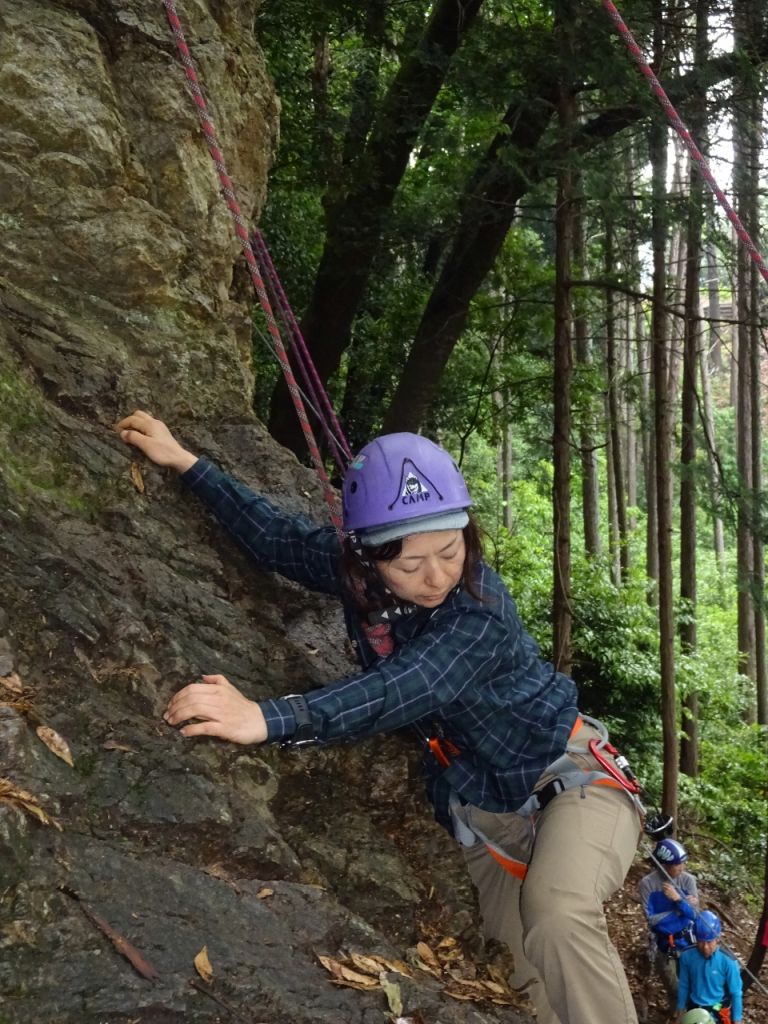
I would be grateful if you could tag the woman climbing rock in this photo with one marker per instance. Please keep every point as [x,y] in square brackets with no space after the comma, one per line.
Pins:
[546,827]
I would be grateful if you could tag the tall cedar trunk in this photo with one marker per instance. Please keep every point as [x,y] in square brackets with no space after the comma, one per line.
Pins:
[504,456]
[561,436]
[757,587]
[758,554]
[743,186]
[590,493]
[647,436]
[613,519]
[614,404]
[693,342]
[354,219]
[713,293]
[708,430]
[630,445]
[660,361]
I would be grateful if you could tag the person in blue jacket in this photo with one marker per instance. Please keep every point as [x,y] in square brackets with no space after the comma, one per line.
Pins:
[709,978]
[525,783]
[669,897]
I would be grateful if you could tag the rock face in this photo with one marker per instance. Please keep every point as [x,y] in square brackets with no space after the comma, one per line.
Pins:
[118,268]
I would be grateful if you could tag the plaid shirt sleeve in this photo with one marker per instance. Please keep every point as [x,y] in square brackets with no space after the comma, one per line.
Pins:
[276,540]
[429,672]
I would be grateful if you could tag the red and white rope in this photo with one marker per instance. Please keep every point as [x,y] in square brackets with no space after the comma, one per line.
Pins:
[685,135]
[241,229]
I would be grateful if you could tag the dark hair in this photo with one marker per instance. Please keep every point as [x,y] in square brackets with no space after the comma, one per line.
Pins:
[372,596]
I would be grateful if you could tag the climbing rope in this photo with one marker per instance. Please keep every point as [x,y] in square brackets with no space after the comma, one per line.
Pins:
[241,229]
[685,135]
[335,435]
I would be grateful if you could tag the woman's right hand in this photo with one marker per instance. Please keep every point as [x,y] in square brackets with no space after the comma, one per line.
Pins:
[155,440]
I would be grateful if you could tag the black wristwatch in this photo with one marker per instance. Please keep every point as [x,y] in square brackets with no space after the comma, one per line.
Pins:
[304,733]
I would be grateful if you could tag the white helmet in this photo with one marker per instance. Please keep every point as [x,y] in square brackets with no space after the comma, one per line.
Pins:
[697,1016]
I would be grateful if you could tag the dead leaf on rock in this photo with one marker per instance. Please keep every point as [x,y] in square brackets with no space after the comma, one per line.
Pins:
[17,797]
[394,995]
[203,965]
[114,745]
[137,478]
[55,743]
[366,964]
[428,959]
[343,975]
[264,893]
[12,682]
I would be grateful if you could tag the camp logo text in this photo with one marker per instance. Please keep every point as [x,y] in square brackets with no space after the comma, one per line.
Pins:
[414,491]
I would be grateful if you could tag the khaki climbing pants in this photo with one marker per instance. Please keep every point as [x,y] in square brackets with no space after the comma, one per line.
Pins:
[553,921]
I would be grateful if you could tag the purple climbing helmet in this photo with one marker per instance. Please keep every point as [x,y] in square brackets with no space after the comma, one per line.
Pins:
[401,484]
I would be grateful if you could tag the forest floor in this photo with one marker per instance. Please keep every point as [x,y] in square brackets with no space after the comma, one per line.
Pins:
[626,923]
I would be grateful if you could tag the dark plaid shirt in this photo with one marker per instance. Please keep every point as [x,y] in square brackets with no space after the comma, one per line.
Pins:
[467,667]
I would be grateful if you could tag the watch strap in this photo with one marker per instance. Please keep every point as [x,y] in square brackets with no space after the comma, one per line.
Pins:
[304,732]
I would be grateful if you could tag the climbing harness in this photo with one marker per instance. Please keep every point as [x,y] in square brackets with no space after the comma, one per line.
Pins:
[566,775]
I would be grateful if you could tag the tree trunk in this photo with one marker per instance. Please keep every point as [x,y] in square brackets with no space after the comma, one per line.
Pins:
[490,203]
[708,429]
[590,492]
[743,186]
[713,293]
[614,404]
[354,218]
[660,362]
[692,343]
[561,439]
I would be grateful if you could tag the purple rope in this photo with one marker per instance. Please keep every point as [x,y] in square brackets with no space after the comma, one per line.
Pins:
[314,388]
[302,356]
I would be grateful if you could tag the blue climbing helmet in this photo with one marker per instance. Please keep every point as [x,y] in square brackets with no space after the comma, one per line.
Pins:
[707,926]
[401,484]
[669,852]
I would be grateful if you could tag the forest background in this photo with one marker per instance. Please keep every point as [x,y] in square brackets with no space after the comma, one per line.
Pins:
[491,234]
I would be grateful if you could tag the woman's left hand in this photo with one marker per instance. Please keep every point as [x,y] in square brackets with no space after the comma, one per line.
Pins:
[221,711]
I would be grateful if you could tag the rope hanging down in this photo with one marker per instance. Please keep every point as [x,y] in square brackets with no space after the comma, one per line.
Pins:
[318,395]
[685,135]
[241,230]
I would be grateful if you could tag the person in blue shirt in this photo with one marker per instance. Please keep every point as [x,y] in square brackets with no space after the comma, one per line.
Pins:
[669,897]
[526,784]
[709,978]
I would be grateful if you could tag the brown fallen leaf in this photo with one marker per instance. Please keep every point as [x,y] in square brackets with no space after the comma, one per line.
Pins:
[17,797]
[55,743]
[114,745]
[343,975]
[203,965]
[366,964]
[428,958]
[137,478]
[264,893]
[12,682]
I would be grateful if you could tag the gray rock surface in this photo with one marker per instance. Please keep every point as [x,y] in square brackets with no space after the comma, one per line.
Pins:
[121,287]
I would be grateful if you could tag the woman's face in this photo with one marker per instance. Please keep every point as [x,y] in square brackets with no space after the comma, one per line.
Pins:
[427,569]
